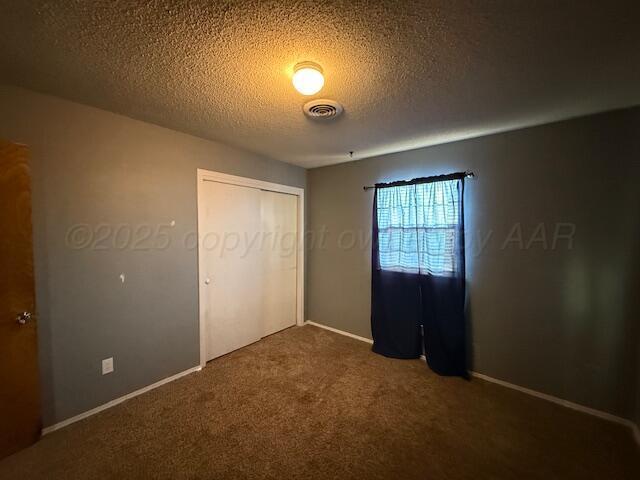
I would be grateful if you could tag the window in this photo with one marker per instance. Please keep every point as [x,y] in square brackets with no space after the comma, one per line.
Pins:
[419,227]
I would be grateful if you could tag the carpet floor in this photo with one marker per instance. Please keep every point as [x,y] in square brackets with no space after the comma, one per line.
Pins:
[308,403]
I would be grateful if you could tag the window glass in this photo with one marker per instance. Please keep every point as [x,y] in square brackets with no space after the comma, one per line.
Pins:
[418,227]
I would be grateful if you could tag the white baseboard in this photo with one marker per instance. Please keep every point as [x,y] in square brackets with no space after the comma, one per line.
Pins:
[341,332]
[550,398]
[115,402]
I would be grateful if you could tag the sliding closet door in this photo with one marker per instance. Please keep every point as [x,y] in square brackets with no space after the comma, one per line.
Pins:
[233,274]
[279,224]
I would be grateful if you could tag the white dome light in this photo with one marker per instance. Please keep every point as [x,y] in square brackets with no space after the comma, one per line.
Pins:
[308,78]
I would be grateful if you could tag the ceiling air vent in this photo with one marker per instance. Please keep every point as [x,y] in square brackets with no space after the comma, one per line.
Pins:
[322,109]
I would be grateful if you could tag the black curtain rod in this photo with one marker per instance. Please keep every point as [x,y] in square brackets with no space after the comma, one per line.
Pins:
[415,181]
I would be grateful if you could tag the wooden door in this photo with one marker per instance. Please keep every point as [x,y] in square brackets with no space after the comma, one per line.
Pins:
[279,260]
[233,278]
[19,391]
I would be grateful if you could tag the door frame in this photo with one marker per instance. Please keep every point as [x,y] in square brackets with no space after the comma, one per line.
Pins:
[212,176]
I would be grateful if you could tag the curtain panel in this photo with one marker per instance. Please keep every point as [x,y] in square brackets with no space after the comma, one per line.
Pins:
[418,272]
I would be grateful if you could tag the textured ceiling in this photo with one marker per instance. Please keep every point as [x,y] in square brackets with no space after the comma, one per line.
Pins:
[408,73]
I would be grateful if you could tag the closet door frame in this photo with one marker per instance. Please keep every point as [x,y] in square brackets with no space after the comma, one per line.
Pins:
[211,176]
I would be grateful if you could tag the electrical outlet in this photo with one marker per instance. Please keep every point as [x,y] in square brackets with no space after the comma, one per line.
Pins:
[107,365]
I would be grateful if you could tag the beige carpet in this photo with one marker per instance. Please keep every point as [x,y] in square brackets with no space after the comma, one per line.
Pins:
[311,404]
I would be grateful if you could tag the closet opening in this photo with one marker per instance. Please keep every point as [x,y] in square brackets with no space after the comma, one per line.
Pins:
[250,260]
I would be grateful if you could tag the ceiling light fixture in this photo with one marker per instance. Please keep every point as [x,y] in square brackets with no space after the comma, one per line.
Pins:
[308,78]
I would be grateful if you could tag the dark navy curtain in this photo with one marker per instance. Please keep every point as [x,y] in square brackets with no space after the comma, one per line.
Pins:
[418,272]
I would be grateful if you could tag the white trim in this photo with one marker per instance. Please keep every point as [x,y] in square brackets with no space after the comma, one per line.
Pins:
[341,332]
[208,175]
[212,176]
[115,402]
[556,400]
[550,398]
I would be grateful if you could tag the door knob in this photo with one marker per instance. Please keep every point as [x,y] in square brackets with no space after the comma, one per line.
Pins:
[23,317]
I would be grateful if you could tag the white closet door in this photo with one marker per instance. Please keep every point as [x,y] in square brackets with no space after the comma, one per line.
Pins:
[279,224]
[234,293]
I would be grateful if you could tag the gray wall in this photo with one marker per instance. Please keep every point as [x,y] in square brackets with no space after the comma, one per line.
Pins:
[97,168]
[555,320]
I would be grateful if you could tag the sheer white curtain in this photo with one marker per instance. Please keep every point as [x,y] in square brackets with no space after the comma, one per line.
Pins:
[419,227]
